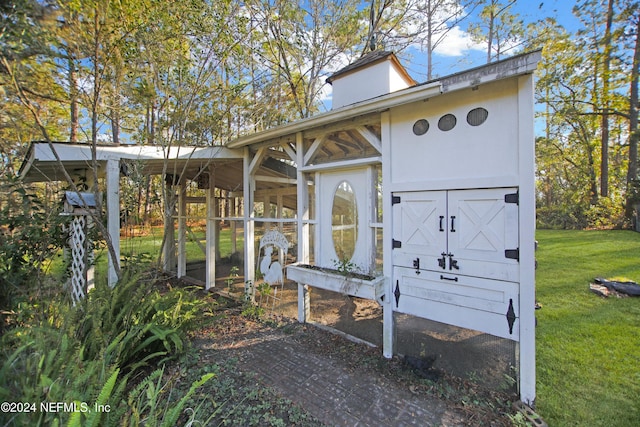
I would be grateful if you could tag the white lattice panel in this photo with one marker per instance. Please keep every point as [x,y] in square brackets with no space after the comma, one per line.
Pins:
[78,244]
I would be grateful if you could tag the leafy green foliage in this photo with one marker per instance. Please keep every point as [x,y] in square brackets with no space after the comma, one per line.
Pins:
[150,401]
[30,235]
[88,353]
[133,324]
[345,267]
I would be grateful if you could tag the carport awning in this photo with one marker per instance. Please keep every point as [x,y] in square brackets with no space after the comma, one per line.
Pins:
[41,163]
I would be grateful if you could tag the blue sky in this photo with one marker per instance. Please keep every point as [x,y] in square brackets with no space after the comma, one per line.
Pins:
[459,58]
[457,53]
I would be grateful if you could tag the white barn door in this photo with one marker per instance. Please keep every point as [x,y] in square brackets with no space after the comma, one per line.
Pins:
[483,232]
[455,258]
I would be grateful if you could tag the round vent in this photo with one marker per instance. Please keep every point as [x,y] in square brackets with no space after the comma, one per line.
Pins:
[420,127]
[477,116]
[447,122]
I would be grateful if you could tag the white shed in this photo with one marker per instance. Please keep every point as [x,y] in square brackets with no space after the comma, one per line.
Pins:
[433,184]
[429,188]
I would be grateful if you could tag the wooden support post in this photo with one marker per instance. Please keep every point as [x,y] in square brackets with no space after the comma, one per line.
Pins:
[249,227]
[91,265]
[113,217]
[233,206]
[387,265]
[267,212]
[303,230]
[210,257]
[182,229]
[527,344]
[169,249]
[216,225]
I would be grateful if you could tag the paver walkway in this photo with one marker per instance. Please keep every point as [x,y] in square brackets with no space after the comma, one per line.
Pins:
[329,388]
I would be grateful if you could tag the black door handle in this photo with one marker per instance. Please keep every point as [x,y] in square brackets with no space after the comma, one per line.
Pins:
[453,228]
[453,263]
[441,218]
[442,262]
[453,279]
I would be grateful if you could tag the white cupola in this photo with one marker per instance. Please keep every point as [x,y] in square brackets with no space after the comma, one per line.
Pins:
[375,74]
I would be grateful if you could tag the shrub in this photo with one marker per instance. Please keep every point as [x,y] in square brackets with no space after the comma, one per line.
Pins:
[30,235]
[561,217]
[89,353]
[605,214]
[133,324]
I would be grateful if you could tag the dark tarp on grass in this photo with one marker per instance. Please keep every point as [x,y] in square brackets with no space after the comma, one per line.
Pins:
[627,288]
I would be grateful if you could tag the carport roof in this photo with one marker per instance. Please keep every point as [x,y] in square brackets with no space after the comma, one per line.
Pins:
[42,162]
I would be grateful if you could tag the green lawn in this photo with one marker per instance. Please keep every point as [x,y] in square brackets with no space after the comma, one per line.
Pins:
[147,248]
[588,347]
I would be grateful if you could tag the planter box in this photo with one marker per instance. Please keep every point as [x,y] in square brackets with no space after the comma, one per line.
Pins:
[323,278]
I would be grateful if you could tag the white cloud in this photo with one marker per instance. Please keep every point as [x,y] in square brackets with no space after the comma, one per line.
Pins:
[457,42]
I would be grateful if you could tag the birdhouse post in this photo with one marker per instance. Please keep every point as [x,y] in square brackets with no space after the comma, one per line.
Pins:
[80,207]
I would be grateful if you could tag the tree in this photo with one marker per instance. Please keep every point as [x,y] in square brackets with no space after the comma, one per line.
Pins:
[300,43]
[565,155]
[633,179]
[433,20]
[606,78]
[498,28]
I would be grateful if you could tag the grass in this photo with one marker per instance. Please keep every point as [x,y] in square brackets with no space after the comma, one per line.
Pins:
[151,242]
[588,347]
[147,247]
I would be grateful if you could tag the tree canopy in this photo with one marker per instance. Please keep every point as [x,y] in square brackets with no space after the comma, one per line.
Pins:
[201,72]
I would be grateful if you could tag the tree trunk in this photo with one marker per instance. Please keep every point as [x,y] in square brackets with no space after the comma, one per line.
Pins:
[633,187]
[490,36]
[604,164]
[73,98]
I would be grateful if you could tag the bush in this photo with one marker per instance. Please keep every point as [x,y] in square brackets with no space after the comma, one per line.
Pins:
[605,215]
[561,217]
[88,353]
[29,236]
[132,324]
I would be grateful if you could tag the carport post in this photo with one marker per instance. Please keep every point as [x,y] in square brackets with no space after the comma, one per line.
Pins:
[113,217]
[248,183]
[210,258]
[182,228]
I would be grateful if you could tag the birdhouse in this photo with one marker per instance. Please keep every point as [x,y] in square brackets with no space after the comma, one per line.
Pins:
[76,203]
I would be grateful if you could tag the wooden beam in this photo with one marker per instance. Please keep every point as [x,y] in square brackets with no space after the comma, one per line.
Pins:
[342,164]
[257,159]
[265,178]
[290,151]
[369,119]
[370,137]
[312,150]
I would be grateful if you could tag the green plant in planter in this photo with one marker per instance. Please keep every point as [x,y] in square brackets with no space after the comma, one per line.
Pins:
[345,267]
